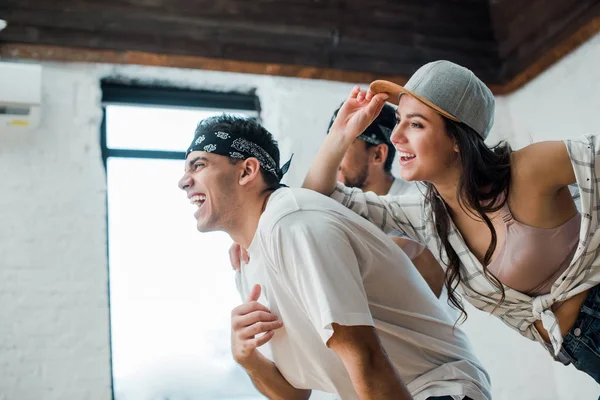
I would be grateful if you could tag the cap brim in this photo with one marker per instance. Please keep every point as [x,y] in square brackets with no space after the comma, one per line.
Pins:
[394,91]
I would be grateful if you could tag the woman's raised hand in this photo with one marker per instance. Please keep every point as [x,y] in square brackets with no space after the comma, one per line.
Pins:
[358,111]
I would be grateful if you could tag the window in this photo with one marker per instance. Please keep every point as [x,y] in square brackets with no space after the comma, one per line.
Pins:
[171,288]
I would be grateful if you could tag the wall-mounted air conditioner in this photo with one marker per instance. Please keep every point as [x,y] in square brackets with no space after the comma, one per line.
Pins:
[20,96]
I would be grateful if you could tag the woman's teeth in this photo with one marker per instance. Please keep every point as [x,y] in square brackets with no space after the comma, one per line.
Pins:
[406,156]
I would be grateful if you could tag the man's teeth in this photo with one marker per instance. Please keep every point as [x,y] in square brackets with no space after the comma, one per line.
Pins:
[198,199]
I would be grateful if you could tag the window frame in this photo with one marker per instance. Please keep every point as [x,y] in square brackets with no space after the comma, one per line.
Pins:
[121,94]
[116,93]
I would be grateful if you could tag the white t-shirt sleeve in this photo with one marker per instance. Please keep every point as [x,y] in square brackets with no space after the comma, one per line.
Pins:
[316,263]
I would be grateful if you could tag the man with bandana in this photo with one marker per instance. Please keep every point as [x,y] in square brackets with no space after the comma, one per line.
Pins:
[342,306]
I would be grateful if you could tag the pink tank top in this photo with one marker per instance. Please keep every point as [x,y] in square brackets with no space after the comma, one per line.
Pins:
[531,259]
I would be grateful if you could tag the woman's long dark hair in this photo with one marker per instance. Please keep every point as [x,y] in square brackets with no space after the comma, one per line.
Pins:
[482,188]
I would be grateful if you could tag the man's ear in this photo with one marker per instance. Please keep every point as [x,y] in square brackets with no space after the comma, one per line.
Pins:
[379,154]
[250,170]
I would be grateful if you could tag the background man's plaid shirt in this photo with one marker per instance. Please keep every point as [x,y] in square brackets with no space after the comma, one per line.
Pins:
[409,214]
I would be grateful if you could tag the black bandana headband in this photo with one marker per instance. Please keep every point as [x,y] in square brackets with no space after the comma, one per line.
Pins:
[224,144]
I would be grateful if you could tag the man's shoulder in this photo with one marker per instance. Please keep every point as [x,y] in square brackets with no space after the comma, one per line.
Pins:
[298,207]
[288,200]
[281,204]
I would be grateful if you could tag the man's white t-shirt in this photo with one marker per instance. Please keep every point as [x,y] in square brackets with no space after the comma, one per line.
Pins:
[400,187]
[319,263]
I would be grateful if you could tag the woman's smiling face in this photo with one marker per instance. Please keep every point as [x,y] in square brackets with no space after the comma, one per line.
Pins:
[425,149]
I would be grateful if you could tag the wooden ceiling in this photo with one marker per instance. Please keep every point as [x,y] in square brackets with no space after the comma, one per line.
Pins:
[505,42]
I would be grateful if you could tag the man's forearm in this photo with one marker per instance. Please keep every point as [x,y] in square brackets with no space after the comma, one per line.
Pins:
[377,379]
[268,380]
[321,176]
[373,375]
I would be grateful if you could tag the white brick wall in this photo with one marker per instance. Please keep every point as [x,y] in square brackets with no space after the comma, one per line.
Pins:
[53,276]
[54,339]
[563,102]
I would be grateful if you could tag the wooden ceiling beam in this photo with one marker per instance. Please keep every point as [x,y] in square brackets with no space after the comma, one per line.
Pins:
[505,42]
[70,54]
[312,14]
[384,58]
[551,42]
[535,19]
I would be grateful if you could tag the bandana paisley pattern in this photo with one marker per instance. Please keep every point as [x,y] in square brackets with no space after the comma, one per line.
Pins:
[226,144]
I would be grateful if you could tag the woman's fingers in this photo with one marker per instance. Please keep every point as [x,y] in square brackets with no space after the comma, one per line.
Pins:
[376,104]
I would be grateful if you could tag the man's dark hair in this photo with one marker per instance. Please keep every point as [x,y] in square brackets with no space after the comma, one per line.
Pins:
[380,129]
[246,128]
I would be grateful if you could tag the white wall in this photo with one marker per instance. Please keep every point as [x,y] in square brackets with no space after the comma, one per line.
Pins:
[563,102]
[54,339]
[53,305]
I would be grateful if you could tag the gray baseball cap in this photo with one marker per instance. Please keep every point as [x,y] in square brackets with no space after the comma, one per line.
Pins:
[451,90]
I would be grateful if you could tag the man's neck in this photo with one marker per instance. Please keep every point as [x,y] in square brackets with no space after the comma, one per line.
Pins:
[245,226]
[380,184]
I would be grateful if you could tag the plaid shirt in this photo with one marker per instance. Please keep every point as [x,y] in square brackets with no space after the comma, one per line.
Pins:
[411,215]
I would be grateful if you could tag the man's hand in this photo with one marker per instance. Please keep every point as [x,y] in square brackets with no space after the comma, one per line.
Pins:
[237,253]
[247,321]
[358,112]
